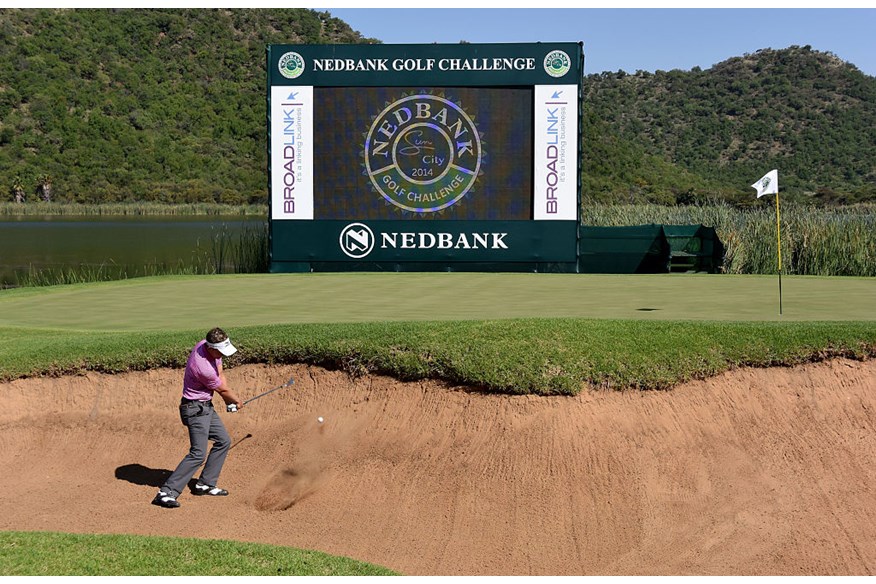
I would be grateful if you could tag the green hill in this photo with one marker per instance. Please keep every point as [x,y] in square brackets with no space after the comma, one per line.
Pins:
[805,112]
[168,105]
[143,104]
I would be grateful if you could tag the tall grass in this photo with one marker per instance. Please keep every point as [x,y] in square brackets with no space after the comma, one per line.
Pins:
[245,252]
[44,208]
[823,242]
[105,272]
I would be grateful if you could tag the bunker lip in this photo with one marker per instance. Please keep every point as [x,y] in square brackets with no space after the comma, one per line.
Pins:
[734,475]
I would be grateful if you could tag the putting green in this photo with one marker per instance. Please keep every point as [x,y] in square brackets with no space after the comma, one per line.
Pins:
[187,302]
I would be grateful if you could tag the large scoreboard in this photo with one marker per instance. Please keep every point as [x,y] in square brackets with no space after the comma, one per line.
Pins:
[424,157]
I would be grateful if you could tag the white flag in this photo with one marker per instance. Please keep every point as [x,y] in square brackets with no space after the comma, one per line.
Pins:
[768,185]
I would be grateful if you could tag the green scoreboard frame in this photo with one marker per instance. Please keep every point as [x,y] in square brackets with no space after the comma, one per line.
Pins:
[432,157]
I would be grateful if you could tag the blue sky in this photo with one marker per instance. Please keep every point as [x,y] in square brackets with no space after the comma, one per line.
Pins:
[635,38]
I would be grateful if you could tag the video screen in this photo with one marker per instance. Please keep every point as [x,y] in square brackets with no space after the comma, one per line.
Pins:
[455,153]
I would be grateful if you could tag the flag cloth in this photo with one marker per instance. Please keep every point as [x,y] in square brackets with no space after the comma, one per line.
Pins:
[768,185]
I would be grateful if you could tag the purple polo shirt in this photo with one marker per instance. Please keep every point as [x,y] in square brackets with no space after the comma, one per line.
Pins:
[202,374]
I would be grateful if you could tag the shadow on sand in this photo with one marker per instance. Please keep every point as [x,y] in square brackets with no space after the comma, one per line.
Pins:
[142,475]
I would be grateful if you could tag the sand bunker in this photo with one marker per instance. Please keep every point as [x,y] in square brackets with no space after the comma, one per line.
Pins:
[759,471]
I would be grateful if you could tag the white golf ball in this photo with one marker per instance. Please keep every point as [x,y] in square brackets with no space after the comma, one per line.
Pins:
[320,420]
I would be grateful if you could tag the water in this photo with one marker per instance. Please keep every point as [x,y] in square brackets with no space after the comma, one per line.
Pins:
[118,246]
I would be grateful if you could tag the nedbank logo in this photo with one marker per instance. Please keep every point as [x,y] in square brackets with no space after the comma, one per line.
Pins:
[557,63]
[423,153]
[291,65]
[357,240]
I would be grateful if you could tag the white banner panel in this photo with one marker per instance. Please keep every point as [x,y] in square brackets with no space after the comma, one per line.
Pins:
[291,152]
[556,153]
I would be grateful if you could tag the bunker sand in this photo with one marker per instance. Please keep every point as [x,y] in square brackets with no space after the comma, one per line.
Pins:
[757,471]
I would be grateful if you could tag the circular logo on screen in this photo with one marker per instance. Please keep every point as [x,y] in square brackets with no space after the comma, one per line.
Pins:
[557,63]
[357,240]
[291,65]
[423,153]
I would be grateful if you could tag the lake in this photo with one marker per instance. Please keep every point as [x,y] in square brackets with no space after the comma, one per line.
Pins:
[119,246]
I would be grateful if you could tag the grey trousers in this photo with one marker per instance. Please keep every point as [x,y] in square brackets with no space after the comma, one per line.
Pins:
[204,424]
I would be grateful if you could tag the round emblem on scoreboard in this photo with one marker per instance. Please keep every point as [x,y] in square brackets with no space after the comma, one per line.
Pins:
[291,65]
[557,63]
[423,153]
[356,240]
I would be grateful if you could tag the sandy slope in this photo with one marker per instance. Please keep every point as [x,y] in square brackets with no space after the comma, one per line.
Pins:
[753,472]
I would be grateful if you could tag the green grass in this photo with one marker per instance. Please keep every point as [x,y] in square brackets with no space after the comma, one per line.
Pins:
[57,208]
[514,333]
[64,554]
[185,302]
[542,356]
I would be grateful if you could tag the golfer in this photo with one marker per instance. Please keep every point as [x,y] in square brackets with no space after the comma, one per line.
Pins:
[202,378]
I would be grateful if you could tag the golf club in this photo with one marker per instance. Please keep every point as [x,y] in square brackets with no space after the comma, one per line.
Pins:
[233,408]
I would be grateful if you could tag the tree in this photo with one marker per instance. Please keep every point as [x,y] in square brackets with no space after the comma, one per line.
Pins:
[17,190]
[44,188]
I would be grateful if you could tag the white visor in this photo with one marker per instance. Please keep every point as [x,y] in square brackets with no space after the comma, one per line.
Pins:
[225,347]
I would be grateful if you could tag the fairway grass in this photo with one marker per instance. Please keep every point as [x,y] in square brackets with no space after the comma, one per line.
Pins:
[66,554]
[183,302]
[511,333]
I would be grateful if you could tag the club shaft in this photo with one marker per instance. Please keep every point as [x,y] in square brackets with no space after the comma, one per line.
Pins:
[267,392]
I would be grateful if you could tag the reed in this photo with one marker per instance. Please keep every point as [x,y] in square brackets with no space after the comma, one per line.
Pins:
[822,242]
[250,255]
[247,253]
[224,253]
[9,208]
[104,272]
[815,241]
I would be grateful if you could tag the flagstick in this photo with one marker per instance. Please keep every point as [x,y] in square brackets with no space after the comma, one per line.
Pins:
[779,241]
